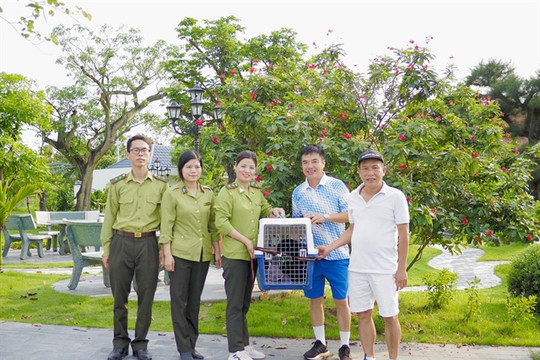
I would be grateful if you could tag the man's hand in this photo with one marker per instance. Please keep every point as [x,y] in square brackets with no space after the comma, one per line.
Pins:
[401,279]
[323,251]
[316,218]
[105,261]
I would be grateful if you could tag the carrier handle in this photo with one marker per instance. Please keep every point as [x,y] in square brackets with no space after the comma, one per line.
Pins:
[275,252]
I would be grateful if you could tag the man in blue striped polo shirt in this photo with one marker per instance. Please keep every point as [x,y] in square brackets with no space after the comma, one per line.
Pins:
[323,199]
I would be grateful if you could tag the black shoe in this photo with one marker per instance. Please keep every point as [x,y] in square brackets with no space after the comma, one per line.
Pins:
[142,354]
[344,352]
[318,351]
[197,355]
[118,354]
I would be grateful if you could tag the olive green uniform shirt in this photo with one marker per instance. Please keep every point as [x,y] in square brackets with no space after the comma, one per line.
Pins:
[187,222]
[132,206]
[241,210]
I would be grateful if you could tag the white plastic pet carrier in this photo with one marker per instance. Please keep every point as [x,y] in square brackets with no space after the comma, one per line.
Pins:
[285,253]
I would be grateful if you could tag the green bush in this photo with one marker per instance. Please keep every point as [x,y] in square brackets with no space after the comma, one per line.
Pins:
[440,287]
[524,275]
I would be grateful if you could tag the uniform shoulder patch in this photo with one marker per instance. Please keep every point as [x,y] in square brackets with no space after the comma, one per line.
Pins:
[160,178]
[206,188]
[118,178]
[232,186]
[253,184]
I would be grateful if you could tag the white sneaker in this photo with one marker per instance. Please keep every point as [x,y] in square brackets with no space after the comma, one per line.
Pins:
[239,355]
[254,353]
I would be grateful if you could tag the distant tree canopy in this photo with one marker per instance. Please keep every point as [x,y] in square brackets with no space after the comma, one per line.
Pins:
[518,98]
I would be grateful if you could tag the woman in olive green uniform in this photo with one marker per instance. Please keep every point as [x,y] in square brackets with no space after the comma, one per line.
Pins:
[188,236]
[238,207]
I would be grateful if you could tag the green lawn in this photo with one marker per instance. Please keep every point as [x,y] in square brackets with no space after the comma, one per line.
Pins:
[30,298]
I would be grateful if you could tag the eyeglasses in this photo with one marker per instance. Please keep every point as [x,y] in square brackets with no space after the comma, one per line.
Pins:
[138,151]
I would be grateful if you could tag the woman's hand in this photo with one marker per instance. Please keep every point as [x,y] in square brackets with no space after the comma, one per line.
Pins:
[250,248]
[277,212]
[217,258]
[168,262]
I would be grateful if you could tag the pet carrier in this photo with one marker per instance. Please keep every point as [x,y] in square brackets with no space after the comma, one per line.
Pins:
[285,253]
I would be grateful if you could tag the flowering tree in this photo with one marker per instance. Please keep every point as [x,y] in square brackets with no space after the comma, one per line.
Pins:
[444,146]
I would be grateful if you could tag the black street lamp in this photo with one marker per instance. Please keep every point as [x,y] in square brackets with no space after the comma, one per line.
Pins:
[158,169]
[174,110]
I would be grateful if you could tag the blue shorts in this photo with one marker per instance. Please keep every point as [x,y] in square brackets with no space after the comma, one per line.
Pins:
[336,272]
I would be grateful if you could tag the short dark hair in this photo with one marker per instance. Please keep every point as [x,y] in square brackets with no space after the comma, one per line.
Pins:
[184,158]
[138,137]
[310,149]
[246,154]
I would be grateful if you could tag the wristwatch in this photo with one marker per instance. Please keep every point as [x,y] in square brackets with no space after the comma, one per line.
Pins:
[326,217]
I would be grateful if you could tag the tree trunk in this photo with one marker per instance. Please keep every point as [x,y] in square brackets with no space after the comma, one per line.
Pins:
[84,195]
[43,201]
[533,120]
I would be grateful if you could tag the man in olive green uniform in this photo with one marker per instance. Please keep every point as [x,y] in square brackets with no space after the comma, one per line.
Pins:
[130,246]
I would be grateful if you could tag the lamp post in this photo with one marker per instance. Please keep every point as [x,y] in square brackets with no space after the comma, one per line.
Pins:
[174,111]
[158,169]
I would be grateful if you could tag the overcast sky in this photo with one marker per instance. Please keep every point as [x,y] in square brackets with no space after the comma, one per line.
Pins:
[464,32]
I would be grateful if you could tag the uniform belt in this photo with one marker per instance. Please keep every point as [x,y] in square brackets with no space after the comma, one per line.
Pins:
[135,234]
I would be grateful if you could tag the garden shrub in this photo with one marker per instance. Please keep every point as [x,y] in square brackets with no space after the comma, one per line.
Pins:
[440,287]
[524,274]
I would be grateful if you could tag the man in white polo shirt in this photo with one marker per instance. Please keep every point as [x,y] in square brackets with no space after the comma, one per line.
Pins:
[379,235]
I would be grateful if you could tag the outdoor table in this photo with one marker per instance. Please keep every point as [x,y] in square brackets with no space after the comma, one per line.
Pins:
[61,235]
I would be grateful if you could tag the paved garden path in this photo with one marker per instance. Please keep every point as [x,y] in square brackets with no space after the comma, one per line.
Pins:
[467,267]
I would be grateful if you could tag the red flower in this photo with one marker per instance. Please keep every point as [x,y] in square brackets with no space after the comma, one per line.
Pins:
[199,123]
[312,66]
[451,102]
[253,96]
[266,193]
[478,239]
[269,153]
[489,233]
[270,103]
[255,61]
[251,69]
[402,167]
[215,139]
[258,178]
[408,200]
[529,237]
[347,136]
[222,75]
[474,155]
[343,116]
[269,168]
[464,221]
[277,101]
[324,132]
[233,72]
[402,137]
[516,151]
[473,137]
